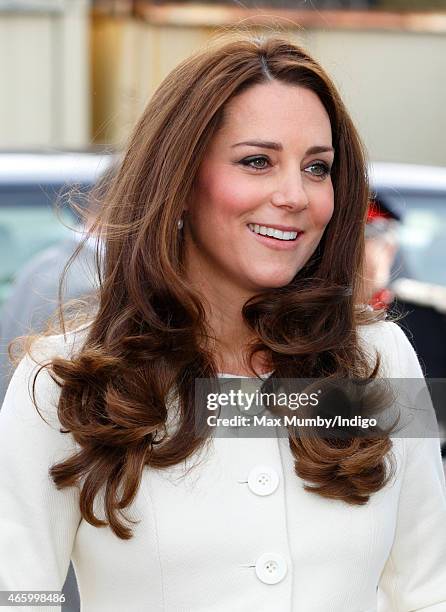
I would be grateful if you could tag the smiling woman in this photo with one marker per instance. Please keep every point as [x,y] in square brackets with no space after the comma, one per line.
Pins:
[249,227]
[234,194]
[232,237]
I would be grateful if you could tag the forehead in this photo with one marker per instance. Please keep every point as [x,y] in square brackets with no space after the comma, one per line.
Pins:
[278,110]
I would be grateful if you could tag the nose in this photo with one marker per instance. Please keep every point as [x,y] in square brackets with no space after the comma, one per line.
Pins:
[291,194]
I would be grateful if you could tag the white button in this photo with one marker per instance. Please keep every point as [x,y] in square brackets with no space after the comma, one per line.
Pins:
[263,480]
[271,568]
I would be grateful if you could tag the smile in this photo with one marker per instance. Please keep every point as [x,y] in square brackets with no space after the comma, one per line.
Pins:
[272,232]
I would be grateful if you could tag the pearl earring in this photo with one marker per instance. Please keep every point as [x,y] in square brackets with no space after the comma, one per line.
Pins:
[180,223]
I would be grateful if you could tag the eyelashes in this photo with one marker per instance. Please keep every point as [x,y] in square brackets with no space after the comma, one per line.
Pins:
[324,168]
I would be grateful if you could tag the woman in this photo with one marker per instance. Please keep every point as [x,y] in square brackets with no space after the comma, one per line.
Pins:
[233,243]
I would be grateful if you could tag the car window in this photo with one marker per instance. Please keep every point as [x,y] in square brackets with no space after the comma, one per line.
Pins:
[422,237]
[28,224]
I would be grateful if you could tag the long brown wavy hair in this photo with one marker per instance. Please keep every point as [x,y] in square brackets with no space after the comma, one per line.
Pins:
[147,334]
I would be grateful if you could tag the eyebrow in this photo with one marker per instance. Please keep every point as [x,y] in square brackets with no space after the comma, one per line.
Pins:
[277,146]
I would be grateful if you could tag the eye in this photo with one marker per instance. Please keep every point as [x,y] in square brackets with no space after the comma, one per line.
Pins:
[323,170]
[250,160]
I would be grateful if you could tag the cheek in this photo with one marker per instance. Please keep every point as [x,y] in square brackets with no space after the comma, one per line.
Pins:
[323,210]
[223,195]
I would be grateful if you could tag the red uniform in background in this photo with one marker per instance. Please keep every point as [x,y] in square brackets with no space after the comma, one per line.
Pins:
[381,247]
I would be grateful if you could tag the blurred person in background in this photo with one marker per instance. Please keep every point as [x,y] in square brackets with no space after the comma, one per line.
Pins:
[388,285]
[423,306]
[412,300]
[381,246]
[233,235]
[33,298]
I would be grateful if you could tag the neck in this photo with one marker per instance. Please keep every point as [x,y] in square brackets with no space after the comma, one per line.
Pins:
[229,334]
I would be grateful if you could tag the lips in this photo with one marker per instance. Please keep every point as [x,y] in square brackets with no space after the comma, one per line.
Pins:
[283,228]
[287,241]
[282,233]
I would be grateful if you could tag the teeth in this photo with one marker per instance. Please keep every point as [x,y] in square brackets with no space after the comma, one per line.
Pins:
[270,231]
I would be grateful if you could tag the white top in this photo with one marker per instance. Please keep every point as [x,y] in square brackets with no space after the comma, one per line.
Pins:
[239,533]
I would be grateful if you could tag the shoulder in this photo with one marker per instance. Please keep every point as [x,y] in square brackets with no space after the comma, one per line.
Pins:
[59,345]
[398,357]
[31,379]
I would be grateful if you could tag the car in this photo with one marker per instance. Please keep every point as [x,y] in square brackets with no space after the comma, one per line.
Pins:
[30,185]
[419,194]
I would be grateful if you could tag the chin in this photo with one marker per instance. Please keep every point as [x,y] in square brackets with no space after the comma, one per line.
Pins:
[273,281]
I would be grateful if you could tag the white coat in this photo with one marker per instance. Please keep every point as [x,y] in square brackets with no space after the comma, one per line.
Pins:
[210,541]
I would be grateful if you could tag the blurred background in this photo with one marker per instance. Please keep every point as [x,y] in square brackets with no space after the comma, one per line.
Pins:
[76,74]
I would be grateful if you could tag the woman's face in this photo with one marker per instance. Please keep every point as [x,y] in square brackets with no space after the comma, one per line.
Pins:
[244,191]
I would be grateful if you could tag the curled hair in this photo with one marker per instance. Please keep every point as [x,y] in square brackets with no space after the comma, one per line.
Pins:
[147,335]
